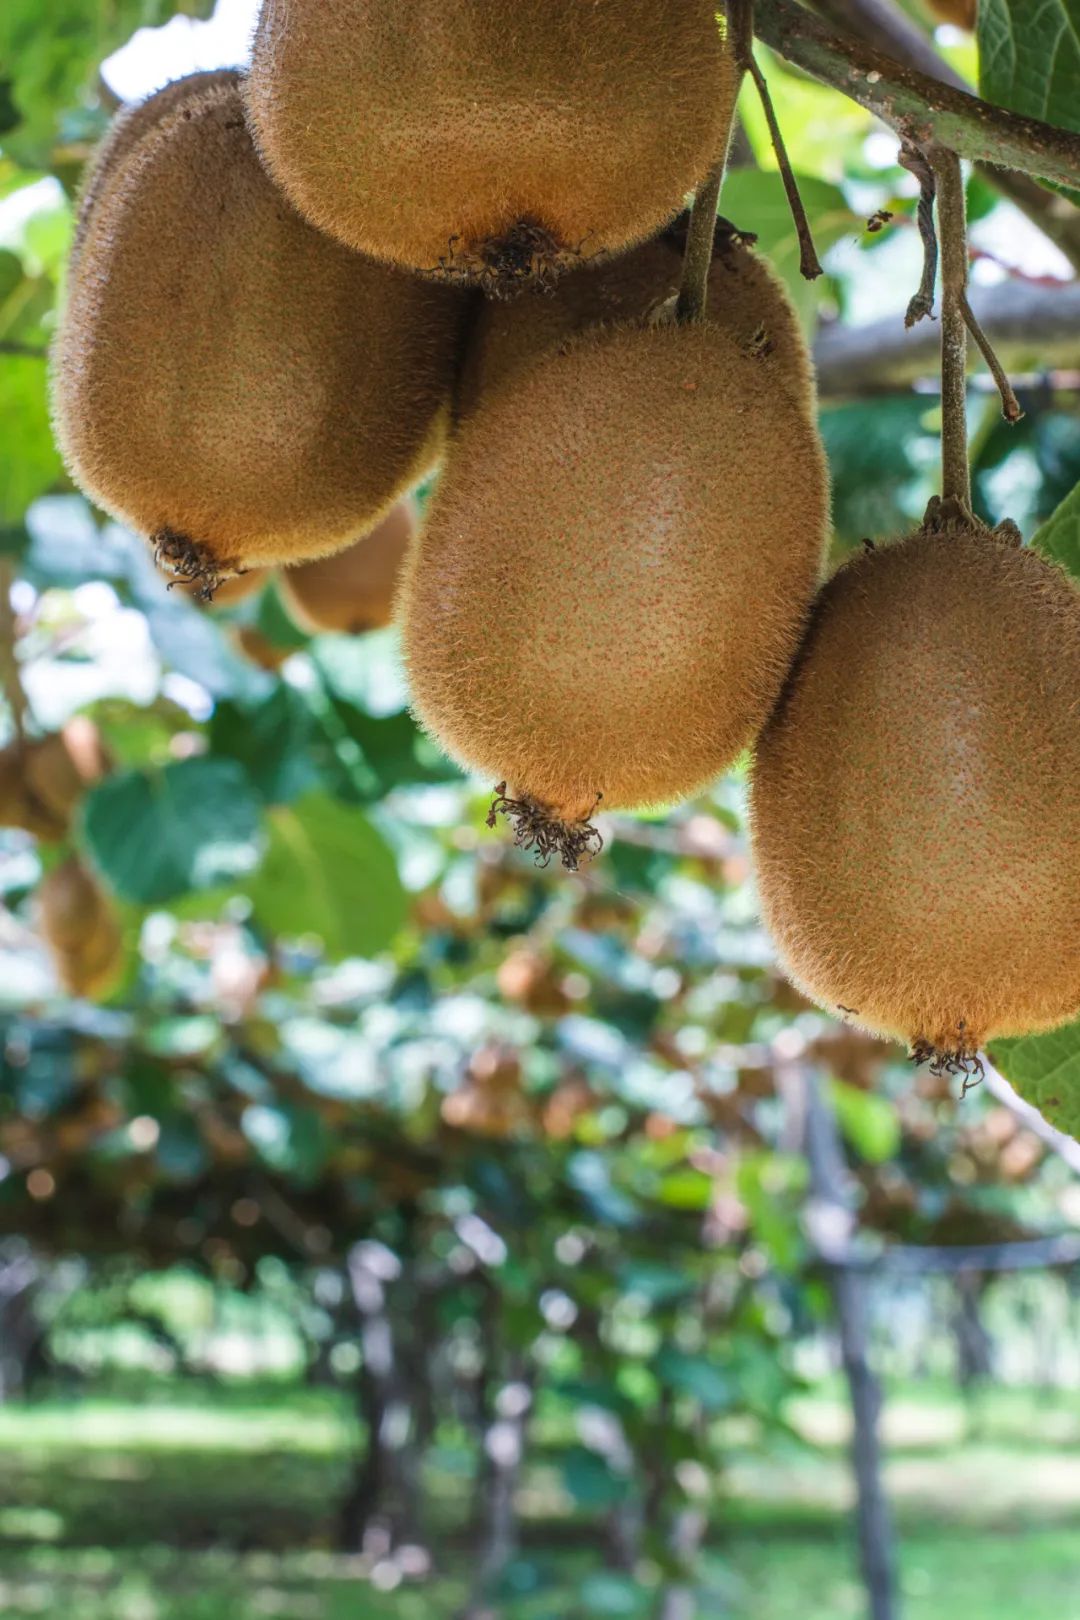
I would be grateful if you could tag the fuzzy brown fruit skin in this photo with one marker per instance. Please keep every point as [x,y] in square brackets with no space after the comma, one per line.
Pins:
[81,928]
[228,381]
[915,812]
[500,141]
[43,780]
[744,296]
[616,571]
[258,649]
[354,590]
[962,13]
[127,129]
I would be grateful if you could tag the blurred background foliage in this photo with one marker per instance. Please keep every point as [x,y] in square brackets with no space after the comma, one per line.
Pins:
[397,1213]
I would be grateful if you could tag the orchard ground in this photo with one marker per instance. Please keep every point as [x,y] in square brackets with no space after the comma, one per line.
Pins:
[195,1502]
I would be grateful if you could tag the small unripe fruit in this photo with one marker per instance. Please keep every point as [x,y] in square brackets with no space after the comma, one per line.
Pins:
[43,780]
[354,590]
[916,810]
[81,928]
[961,13]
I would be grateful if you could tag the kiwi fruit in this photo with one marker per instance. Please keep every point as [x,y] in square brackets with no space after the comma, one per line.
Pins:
[353,591]
[915,803]
[485,141]
[961,13]
[43,780]
[743,295]
[128,127]
[80,926]
[227,380]
[254,645]
[615,573]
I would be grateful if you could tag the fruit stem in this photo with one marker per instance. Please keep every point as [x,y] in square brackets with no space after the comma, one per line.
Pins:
[10,676]
[952,232]
[693,299]
[700,236]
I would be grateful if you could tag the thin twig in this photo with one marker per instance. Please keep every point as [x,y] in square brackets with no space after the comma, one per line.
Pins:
[10,674]
[23,351]
[1011,409]
[952,230]
[915,161]
[809,265]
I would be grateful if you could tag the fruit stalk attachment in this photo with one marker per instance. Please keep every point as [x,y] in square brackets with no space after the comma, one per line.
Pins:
[957,320]
[693,292]
[952,229]
[701,234]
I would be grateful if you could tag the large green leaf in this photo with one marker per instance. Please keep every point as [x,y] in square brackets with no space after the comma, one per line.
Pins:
[46,68]
[1059,536]
[869,1122]
[1029,57]
[157,835]
[29,461]
[328,872]
[1045,1069]
[694,1375]
[270,739]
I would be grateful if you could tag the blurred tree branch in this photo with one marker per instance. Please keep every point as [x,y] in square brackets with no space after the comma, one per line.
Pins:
[919,108]
[1031,326]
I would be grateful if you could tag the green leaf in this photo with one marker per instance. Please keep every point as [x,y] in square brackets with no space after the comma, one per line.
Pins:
[395,750]
[328,872]
[269,738]
[695,1376]
[1029,59]
[47,69]
[756,201]
[1059,536]
[686,1189]
[288,1138]
[869,1122]
[1045,1070]
[29,461]
[156,835]
[590,1481]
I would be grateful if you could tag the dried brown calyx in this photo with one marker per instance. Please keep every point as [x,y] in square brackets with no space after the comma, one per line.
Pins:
[190,563]
[538,829]
[527,258]
[962,1059]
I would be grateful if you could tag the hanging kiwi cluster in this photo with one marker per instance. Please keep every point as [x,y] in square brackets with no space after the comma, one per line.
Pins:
[294,293]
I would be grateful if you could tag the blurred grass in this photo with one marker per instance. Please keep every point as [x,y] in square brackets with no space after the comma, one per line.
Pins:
[199,1503]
